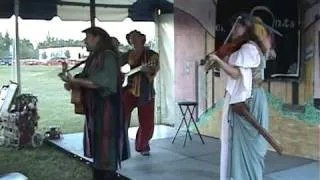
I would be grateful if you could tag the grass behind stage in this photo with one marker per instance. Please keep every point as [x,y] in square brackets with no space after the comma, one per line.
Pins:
[54,109]
[43,163]
[54,105]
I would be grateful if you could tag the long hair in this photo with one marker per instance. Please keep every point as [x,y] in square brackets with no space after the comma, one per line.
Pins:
[254,31]
[105,40]
[105,43]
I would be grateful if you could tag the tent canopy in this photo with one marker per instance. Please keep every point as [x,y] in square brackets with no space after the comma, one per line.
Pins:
[79,10]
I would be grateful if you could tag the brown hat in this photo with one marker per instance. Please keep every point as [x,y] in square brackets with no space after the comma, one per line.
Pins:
[96,31]
[134,31]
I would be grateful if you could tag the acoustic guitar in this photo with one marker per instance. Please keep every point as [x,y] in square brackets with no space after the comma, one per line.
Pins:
[77,100]
[76,93]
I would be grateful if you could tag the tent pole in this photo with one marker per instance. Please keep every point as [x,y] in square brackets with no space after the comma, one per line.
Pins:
[92,12]
[17,46]
[157,39]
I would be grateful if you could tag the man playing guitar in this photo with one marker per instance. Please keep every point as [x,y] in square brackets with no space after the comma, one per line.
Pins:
[104,137]
[140,92]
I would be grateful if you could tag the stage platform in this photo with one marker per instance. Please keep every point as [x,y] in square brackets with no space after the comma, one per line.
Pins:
[194,161]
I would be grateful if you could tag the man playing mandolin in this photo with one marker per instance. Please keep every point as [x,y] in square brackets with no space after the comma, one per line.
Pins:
[99,82]
[140,92]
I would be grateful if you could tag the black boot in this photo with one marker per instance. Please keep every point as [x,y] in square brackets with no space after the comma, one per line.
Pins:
[113,175]
[122,177]
[107,175]
[97,174]
[110,175]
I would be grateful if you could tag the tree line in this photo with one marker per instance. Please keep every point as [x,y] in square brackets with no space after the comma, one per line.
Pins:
[28,51]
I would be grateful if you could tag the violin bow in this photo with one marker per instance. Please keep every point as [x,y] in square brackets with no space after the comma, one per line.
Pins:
[266,9]
[203,61]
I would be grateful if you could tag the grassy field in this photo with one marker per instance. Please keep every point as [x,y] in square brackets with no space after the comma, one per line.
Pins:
[55,109]
[45,163]
[54,102]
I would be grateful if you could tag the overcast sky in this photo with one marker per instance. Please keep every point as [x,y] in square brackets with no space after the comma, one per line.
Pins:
[37,30]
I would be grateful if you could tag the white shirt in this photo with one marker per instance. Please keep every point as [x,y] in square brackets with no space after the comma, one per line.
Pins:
[247,57]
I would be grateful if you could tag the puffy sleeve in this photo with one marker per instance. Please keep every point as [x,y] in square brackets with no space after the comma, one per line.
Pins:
[246,58]
[105,77]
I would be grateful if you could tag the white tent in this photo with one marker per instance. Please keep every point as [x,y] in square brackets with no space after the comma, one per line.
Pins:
[158,11]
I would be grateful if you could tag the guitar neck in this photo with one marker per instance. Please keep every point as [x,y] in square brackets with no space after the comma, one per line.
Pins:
[135,70]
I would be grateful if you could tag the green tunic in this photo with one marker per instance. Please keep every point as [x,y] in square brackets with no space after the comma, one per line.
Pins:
[104,136]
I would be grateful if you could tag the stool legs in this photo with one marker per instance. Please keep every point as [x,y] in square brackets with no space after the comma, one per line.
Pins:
[184,113]
[183,121]
[177,132]
[193,120]
[188,132]
[187,124]
[197,129]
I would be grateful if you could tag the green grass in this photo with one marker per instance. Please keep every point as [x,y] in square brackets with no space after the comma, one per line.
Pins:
[44,163]
[54,105]
[54,108]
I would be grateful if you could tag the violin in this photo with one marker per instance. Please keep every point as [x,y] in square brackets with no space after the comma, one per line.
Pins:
[229,48]
[226,49]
